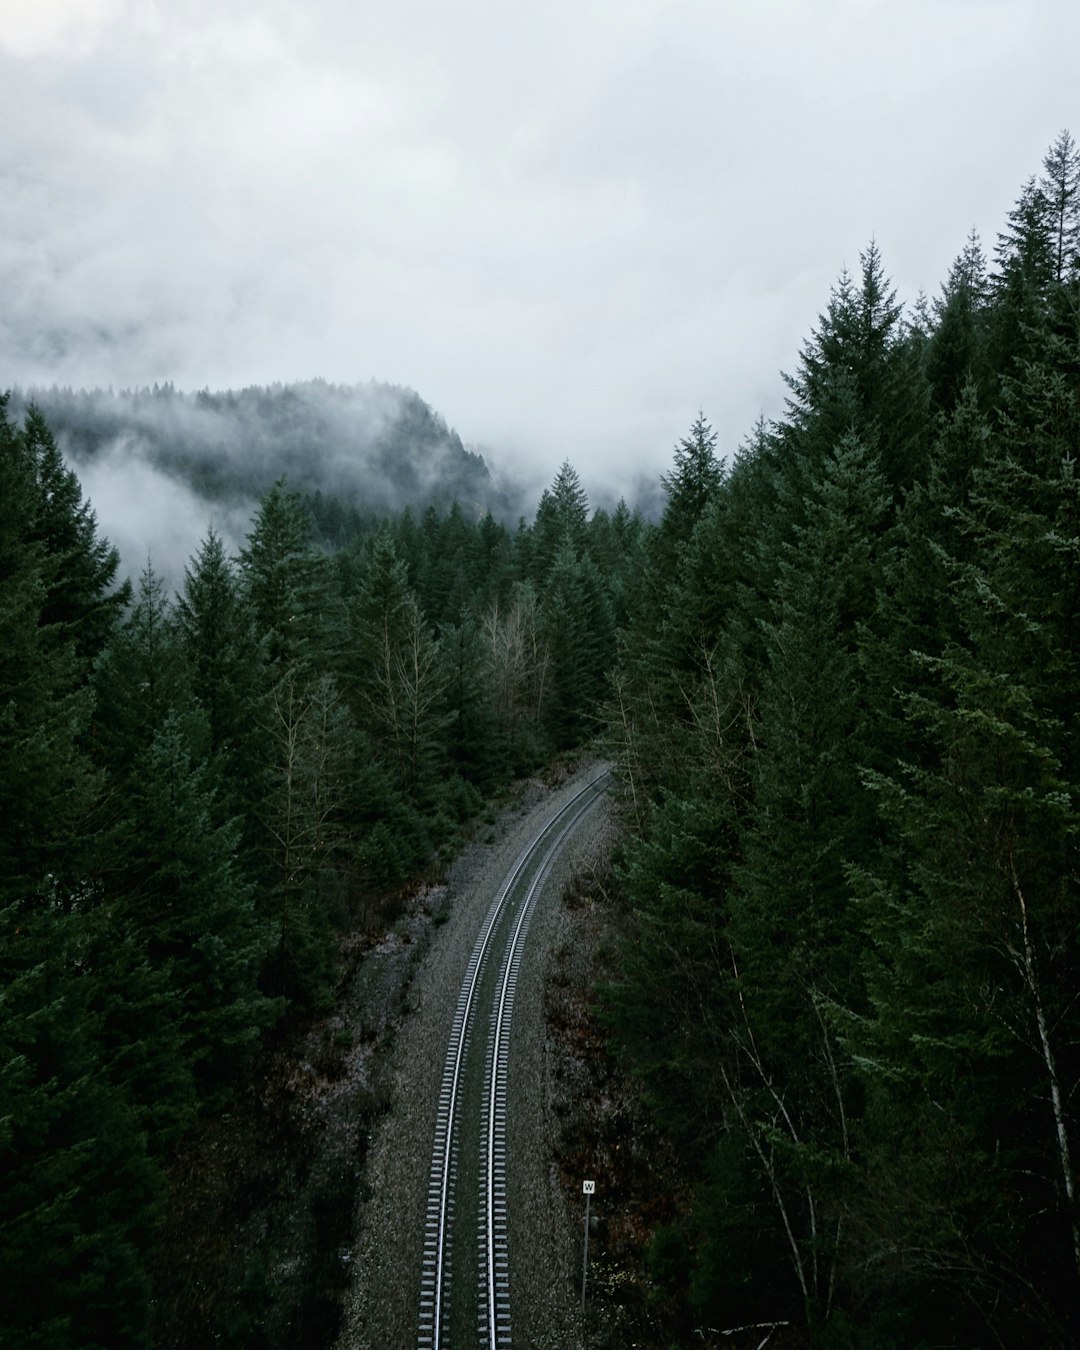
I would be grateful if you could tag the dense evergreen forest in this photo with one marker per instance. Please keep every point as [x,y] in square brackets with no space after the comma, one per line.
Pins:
[845,716]
[838,680]
[197,792]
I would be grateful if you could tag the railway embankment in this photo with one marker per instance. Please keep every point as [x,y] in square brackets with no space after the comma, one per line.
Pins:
[298,1216]
[382,1304]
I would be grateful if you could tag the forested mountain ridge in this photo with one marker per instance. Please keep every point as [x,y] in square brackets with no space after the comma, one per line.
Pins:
[845,720]
[839,681]
[200,792]
[373,446]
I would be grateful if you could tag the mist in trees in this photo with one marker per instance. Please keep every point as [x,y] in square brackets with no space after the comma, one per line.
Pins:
[376,443]
[838,679]
[161,463]
[203,786]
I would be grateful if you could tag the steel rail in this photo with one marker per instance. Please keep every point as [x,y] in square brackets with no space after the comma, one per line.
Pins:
[498,1330]
[440,1188]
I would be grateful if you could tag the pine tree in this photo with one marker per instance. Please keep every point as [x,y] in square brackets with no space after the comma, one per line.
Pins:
[46,782]
[957,351]
[561,520]
[229,681]
[791,929]
[1060,187]
[285,581]
[82,599]
[393,668]
[972,959]
[184,898]
[78,1195]
[693,479]
[454,567]
[469,710]
[77,1191]
[845,735]
[495,561]
[1021,284]
[143,674]
[222,652]
[614,545]
[311,737]
[856,373]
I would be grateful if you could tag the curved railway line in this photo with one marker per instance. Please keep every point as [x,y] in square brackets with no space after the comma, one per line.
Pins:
[468,1165]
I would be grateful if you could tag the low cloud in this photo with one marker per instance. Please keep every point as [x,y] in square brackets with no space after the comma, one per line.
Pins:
[162,465]
[152,517]
[570,227]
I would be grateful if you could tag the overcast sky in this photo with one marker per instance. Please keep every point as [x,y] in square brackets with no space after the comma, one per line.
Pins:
[567,225]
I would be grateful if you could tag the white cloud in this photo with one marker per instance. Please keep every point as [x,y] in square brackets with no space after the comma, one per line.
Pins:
[151,517]
[37,27]
[569,226]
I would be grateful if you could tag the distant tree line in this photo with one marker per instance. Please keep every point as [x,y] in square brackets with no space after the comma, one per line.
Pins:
[198,791]
[374,448]
[845,723]
[839,681]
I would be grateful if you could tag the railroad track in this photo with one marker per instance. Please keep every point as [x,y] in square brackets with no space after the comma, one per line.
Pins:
[468,1165]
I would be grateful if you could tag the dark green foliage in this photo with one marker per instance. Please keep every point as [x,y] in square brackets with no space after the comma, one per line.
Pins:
[561,520]
[195,795]
[46,782]
[580,633]
[734,1212]
[615,543]
[1060,186]
[77,1191]
[689,486]
[193,912]
[81,599]
[217,630]
[285,581]
[309,736]
[78,1195]
[141,680]
[809,813]
[859,372]
[845,727]
[679,965]
[957,349]
[840,679]
[395,671]
[468,713]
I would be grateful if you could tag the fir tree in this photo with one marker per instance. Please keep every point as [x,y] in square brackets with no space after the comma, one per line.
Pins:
[1060,187]
[692,481]
[285,580]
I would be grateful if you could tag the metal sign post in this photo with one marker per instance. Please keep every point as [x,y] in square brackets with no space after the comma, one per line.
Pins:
[587,1189]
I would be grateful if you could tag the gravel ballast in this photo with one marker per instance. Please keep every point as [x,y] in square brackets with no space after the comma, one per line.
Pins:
[382,1301]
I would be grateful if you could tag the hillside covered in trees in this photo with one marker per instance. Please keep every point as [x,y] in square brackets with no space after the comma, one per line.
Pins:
[838,681]
[845,719]
[199,791]
[371,448]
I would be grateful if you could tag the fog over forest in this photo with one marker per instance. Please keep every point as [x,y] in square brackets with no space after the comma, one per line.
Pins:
[406,407]
[160,466]
[569,227]
[836,681]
